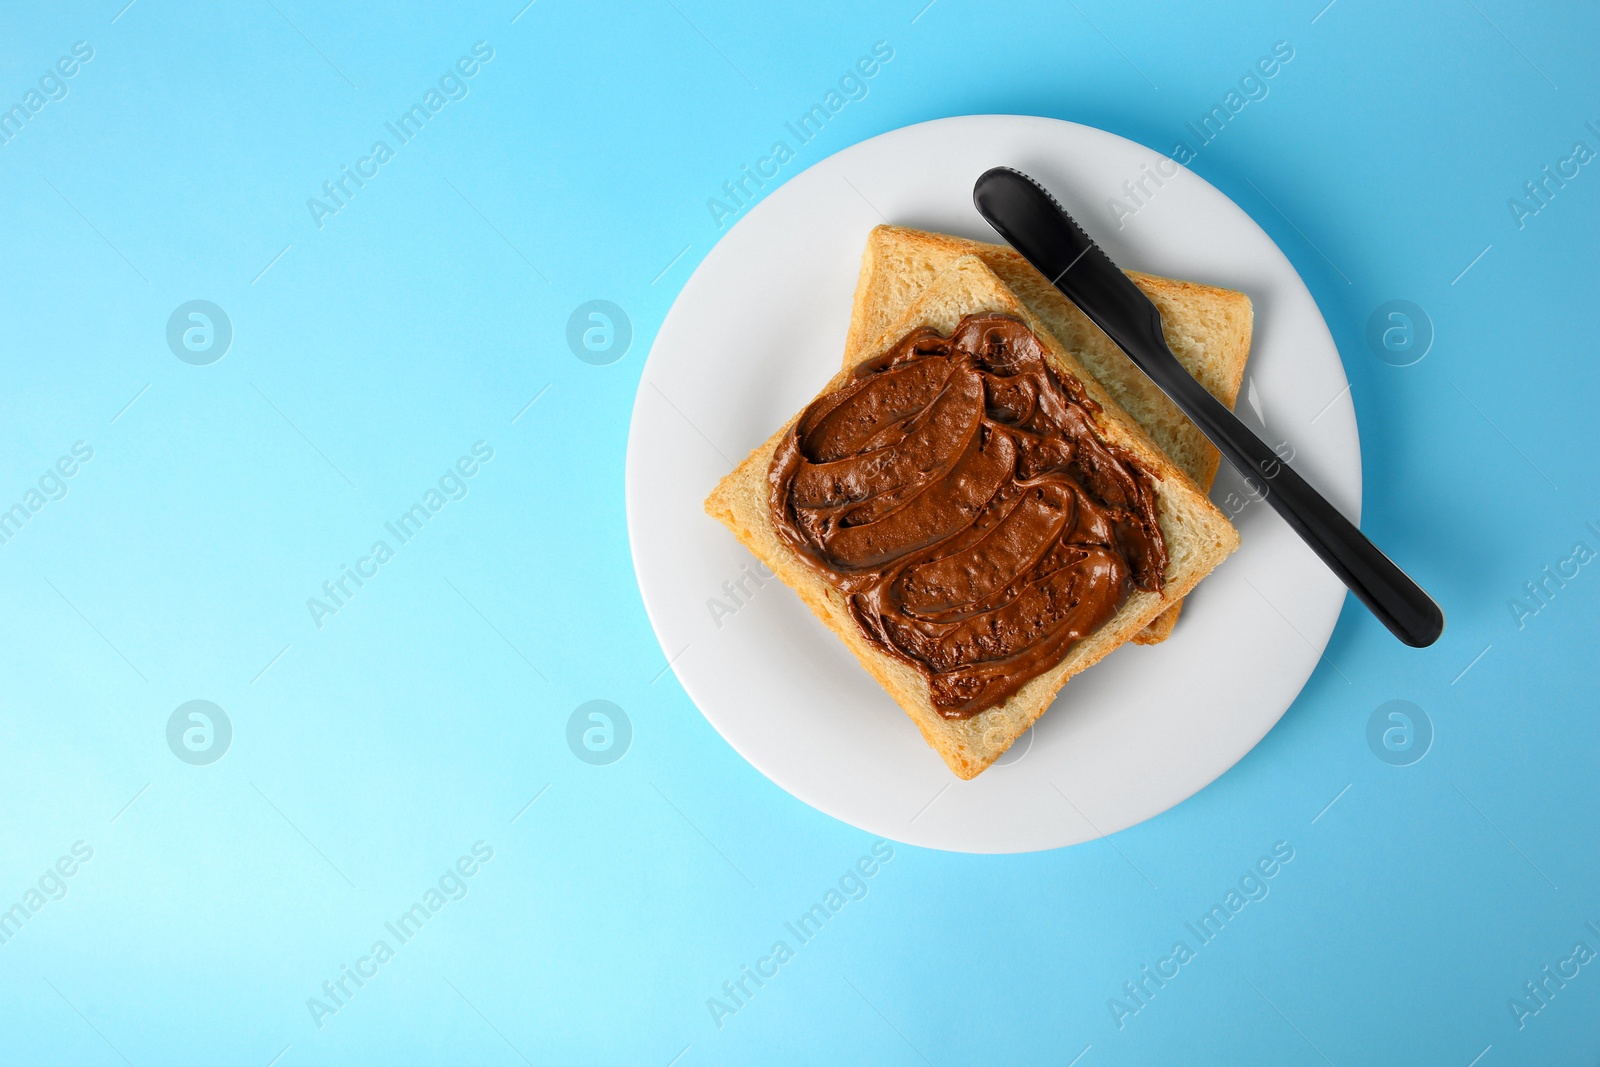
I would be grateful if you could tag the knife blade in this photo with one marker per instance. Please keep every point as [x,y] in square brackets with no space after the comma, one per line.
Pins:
[1024,213]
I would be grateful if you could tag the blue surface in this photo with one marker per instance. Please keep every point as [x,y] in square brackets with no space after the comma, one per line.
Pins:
[373,752]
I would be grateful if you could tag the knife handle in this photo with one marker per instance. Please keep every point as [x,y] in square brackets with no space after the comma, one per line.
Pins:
[1387,591]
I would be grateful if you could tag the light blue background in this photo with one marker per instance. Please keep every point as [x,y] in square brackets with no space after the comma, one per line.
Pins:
[426,714]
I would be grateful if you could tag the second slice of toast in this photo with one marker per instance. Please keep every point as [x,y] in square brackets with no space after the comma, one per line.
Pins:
[1207,328]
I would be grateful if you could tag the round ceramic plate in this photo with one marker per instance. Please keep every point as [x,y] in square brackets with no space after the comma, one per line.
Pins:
[760,328]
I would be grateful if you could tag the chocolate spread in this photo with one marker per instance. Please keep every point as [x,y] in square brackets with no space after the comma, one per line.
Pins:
[956,491]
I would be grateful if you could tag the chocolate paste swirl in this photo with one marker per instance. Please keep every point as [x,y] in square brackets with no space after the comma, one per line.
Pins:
[956,491]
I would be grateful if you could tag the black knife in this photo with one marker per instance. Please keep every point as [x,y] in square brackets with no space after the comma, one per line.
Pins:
[1031,220]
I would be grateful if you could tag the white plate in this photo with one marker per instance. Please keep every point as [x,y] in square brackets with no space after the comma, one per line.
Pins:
[760,327]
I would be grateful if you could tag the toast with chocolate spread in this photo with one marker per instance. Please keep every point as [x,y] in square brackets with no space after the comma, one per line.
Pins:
[973,514]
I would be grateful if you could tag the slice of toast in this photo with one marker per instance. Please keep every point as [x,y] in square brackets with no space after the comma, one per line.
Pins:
[1207,328]
[1196,534]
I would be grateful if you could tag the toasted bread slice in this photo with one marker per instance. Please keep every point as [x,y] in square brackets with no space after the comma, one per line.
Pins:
[1207,328]
[1196,534]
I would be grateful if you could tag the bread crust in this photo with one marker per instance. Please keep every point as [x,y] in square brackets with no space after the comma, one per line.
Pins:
[1197,535]
[1208,329]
